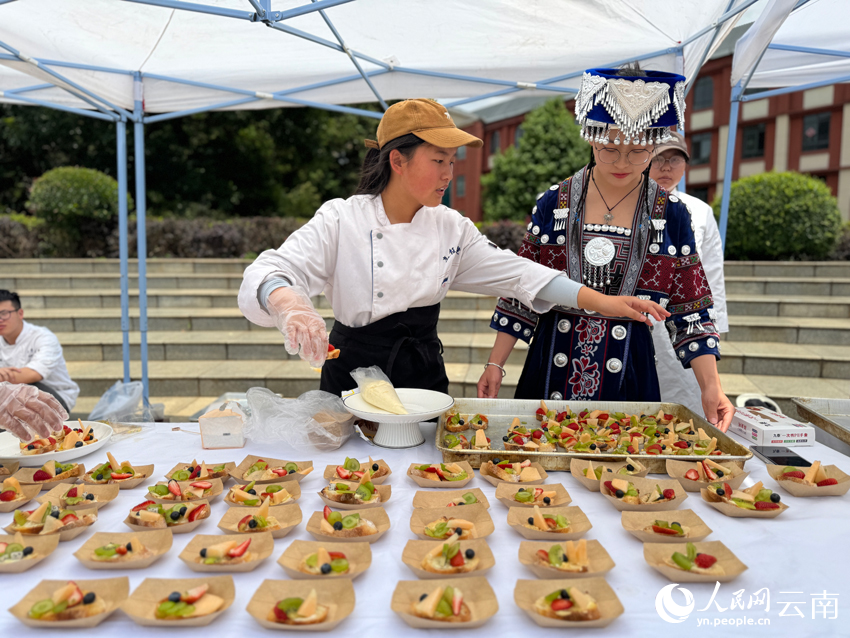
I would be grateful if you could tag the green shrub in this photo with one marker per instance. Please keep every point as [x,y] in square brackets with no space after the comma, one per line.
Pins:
[79,207]
[842,247]
[19,236]
[505,234]
[776,216]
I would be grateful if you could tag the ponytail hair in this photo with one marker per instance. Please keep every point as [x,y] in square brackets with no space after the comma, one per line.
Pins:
[376,172]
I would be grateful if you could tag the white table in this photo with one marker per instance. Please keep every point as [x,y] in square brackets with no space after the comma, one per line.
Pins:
[804,550]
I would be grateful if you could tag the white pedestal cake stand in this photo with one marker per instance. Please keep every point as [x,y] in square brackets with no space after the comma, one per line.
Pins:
[401,430]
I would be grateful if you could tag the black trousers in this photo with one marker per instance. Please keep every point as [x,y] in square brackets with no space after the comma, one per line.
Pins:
[46,388]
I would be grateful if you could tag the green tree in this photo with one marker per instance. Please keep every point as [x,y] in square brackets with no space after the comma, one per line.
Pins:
[780,216]
[550,150]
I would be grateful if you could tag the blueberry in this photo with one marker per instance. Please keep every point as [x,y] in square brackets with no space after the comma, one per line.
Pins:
[565,594]
[183,510]
[666,430]
[89,497]
[338,525]
[547,500]
[593,446]
[375,467]
[78,444]
[191,468]
[55,514]
[719,473]
[252,523]
[505,438]
[174,596]
[461,503]
[630,467]
[458,531]
[175,516]
[204,552]
[27,550]
[497,461]
[129,547]
[530,520]
[326,568]
[460,422]
[619,493]
[663,447]
[522,489]
[721,491]
[30,447]
[252,491]
[470,554]
[88,599]
[774,498]
[99,477]
[423,597]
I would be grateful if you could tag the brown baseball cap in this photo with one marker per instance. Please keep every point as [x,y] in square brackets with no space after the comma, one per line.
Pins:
[426,119]
[676,143]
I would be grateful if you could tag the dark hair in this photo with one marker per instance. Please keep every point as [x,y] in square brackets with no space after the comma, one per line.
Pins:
[6,295]
[630,70]
[375,172]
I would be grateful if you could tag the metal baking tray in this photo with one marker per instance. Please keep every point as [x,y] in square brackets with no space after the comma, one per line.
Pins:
[501,412]
[830,415]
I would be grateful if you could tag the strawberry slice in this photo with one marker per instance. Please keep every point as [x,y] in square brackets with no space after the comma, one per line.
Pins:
[692,475]
[8,495]
[609,486]
[195,594]
[540,412]
[682,445]
[66,429]
[704,560]
[335,555]
[241,524]
[766,505]
[195,513]
[69,518]
[432,469]
[537,434]
[327,512]
[632,449]
[342,473]
[827,482]
[728,489]
[201,485]
[120,477]
[795,474]
[72,493]
[279,471]
[573,426]
[439,472]
[560,604]
[543,555]
[41,475]
[174,488]
[716,453]
[655,448]
[279,614]
[121,550]
[142,506]
[239,550]
[457,560]
[669,494]
[196,472]
[359,474]
[51,440]
[525,463]
[664,530]
[551,522]
[708,472]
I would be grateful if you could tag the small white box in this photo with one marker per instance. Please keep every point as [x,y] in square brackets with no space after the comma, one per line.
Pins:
[222,427]
[761,426]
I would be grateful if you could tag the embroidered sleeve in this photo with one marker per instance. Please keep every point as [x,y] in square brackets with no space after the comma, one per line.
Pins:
[511,316]
[691,324]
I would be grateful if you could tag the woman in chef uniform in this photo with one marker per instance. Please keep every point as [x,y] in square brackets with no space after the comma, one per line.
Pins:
[387,256]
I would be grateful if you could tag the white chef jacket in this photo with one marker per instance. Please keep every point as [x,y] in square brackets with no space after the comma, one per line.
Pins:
[39,349]
[369,268]
[677,384]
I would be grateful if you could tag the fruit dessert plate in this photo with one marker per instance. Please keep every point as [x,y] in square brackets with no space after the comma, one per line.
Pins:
[445,475]
[817,480]
[200,471]
[253,494]
[268,470]
[706,562]
[363,494]
[180,602]
[51,474]
[353,470]
[180,518]
[278,521]
[590,473]
[643,494]
[456,498]
[59,604]
[513,495]
[570,559]
[332,525]
[445,603]
[124,474]
[439,524]
[18,552]
[77,497]
[230,553]
[174,491]
[554,524]
[756,501]
[49,518]
[124,550]
[450,559]
[568,602]
[13,495]
[298,605]
[524,472]
[694,476]
[322,561]
[63,446]
[676,527]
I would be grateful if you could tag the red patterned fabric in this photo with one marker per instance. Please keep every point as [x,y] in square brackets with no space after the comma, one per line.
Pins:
[530,251]
[689,283]
[554,257]
[656,273]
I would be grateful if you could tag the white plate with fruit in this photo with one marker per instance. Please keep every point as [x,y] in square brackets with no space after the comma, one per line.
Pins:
[10,446]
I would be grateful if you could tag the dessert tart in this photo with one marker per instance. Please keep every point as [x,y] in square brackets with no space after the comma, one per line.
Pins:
[468,498]
[195,470]
[445,527]
[695,562]
[455,422]
[756,497]
[48,518]
[11,491]
[511,472]
[536,495]
[568,604]
[76,495]
[479,422]
[299,611]
[157,516]
[68,603]
[113,472]
[571,558]
[450,558]
[480,441]
[261,471]
[55,471]
[16,551]
[251,495]
[538,521]
[261,521]
[709,470]
[664,528]
[456,442]
[811,476]
[353,470]
[364,494]
[440,472]
[172,491]
[626,491]
[189,604]
[226,553]
[345,526]
[121,552]
[443,604]
[324,562]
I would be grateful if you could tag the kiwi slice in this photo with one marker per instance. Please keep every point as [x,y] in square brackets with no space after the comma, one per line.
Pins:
[339,565]
[292,468]
[273,489]
[364,492]
[313,560]
[181,475]
[41,608]
[352,465]
[351,521]
[290,605]
[469,498]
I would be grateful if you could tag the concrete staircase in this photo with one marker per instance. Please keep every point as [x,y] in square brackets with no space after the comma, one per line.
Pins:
[789,331]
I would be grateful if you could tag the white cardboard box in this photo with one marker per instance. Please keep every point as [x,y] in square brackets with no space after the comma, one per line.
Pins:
[761,426]
[222,427]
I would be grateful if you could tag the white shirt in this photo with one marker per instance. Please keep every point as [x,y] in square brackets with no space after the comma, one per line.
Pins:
[677,384]
[39,349]
[369,268]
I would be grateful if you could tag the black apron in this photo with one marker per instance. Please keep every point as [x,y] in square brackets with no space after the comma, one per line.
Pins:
[404,345]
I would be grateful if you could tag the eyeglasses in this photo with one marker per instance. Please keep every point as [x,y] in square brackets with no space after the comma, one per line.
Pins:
[637,156]
[5,314]
[677,161]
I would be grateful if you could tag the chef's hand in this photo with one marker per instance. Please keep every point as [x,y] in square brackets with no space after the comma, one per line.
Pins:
[718,408]
[9,374]
[616,306]
[303,329]
[29,413]
[489,383]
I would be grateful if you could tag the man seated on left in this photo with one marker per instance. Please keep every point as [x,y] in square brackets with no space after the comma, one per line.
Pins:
[32,354]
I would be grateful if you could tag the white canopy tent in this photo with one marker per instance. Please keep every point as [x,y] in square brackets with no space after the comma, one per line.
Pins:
[142,61]
[794,45]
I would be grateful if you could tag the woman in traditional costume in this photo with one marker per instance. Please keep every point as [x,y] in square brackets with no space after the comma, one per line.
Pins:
[612,228]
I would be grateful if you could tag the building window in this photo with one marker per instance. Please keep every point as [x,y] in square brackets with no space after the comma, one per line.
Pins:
[703,93]
[816,131]
[752,139]
[460,186]
[699,193]
[700,149]
[461,153]
[495,142]
[518,135]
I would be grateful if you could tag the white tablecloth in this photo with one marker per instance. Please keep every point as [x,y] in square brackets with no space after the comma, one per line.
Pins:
[804,550]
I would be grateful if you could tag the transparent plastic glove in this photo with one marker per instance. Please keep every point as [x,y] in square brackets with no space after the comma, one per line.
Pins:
[29,413]
[303,329]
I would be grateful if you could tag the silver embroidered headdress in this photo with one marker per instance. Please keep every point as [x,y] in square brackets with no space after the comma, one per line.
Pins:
[642,108]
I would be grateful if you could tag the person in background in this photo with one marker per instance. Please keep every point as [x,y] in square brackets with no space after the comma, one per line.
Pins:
[667,169]
[32,355]
[29,413]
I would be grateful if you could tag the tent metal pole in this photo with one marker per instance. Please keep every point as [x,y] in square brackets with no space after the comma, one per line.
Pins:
[730,160]
[298,33]
[242,15]
[354,61]
[69,65]
[813,51]
[121,132]
[27,89]
[720,20]
[141,227]
[472,78]
[152,119]
[59,107]
[793,89]
[704,54]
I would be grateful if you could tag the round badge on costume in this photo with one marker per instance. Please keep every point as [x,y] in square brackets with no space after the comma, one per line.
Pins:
[560,360]
[554,187]
[693,347]
[653,248]
[673,198]
[614,365]
[517,326]
[535,230]
[671,250]
[555,396]
[526,333]
[711,342]
[564,325]
[681,354]
[561,239]
[503,321]
[599,251]
[544,239]
[686,250]
[618,332]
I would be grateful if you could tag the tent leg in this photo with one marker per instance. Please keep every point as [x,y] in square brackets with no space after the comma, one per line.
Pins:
[121,133]
[727,169]
[141,230]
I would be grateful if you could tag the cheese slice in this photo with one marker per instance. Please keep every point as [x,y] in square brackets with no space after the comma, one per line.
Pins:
[113,463]
[754,490]
[264,508]
[579,598]
[206,605]
[279,497]
[516,423]
[308,607]
[635,464]
[50,468]
[86,432]
[591,473]
[701,435]
[539,520]
[821,475]
[454,468]
[711,446]
[529,474]
[204,473]
[38,515]
[716,466]
[531,445]
[71,440]
[812,472]
[428,606]
[543,405]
